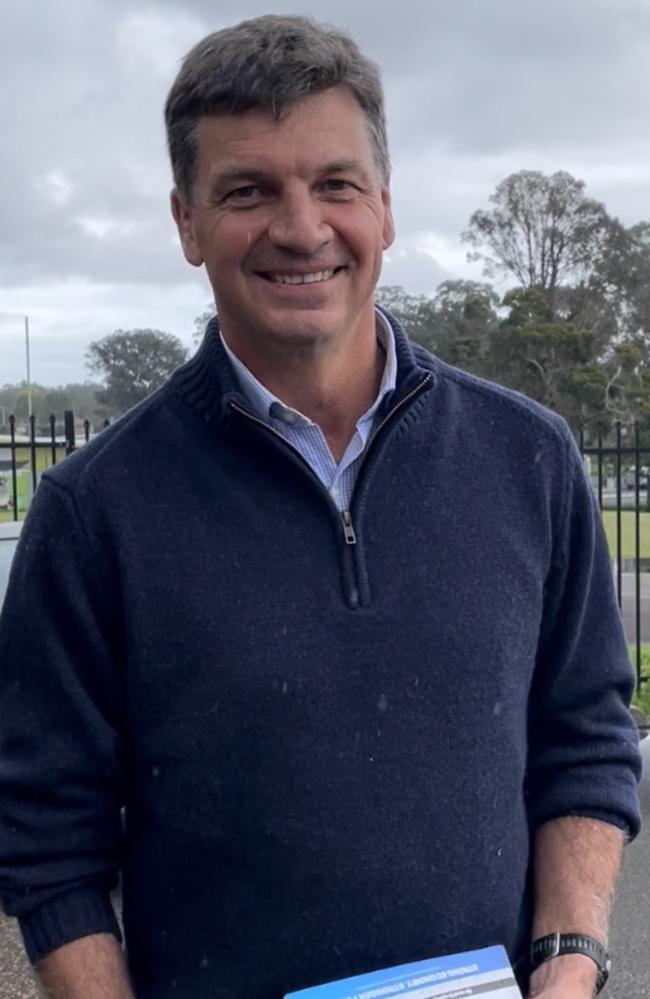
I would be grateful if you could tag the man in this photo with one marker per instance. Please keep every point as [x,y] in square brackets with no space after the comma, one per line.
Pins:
[359,678]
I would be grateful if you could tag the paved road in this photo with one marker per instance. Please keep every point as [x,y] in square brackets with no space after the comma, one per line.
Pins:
[630,942]
[16,980]
[628,605]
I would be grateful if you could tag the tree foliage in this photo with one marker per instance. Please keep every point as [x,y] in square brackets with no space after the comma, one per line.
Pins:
[551,361]
[50,401]
[634,278]
[590,378]
[133,364]
[413,311]
[467,318]
[201,322]
[541,230]
[574,333]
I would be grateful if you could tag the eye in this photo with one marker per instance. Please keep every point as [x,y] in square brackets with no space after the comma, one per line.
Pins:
[249,192]
[335,185]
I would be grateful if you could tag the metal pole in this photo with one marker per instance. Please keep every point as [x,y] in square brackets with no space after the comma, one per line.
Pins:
[68,423]
[29,374]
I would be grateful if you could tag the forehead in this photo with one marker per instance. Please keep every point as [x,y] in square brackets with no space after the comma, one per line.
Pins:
[318,129]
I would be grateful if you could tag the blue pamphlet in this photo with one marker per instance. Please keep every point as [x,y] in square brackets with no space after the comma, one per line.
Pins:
[486,973]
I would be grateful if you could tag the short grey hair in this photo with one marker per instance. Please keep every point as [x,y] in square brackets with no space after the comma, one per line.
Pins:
[268,64]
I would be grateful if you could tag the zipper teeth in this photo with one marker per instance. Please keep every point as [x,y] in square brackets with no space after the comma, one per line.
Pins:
[261,423]
[288,444]
[269,429]
[399,405]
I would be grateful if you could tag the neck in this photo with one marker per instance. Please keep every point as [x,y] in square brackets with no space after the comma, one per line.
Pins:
[335,400]
[333,387]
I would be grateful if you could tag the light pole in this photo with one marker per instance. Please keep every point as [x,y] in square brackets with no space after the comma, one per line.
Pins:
[14,315]
[29,372]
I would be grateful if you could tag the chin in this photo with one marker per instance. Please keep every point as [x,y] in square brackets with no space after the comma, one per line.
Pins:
[303,330]
[305,336]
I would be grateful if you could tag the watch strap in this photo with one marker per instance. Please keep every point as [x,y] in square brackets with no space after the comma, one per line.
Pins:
[558,944]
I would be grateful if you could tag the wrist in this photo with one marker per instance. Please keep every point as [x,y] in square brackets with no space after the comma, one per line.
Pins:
[589,965]
[575,974]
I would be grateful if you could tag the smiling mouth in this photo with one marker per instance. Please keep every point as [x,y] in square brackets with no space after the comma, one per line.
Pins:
[314,277]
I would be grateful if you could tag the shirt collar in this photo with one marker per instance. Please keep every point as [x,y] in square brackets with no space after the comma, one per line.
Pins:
[268,406]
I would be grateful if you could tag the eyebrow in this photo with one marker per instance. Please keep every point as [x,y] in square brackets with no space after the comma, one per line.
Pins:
[343,166]
[256,176]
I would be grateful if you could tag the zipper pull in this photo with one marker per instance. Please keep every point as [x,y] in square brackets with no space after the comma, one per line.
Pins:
[348,529]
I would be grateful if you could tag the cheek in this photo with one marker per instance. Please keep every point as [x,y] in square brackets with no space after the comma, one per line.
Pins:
[230,245]
[223,259]
[362,236]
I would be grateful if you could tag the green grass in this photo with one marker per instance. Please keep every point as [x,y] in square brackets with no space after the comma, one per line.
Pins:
[628,533]
[642,699]
[642,696]
[23,458]
[8,515]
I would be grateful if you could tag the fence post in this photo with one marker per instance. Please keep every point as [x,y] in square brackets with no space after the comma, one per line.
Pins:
[68,430]
[32,452]
[14,470]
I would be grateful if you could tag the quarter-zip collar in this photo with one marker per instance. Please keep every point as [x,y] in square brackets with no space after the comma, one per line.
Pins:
[265,403]
[209,384]
[354,574]
[338,476]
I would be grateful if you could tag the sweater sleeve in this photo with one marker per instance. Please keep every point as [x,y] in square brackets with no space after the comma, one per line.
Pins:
[583,755]
[61,745]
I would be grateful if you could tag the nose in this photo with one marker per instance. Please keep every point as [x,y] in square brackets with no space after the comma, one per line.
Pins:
[298,223]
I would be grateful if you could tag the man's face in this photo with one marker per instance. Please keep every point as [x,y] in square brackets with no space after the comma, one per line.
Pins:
[290,219]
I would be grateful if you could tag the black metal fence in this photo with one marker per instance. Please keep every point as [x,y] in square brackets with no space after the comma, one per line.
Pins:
[619,470]
[621,478]
[25,453]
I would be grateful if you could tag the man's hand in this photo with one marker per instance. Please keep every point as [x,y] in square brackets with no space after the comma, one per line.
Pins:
[572,976]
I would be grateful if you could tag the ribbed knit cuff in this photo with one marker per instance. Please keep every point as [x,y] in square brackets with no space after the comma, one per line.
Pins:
[66,918]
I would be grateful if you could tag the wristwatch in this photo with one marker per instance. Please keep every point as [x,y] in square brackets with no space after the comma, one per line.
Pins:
[557,944]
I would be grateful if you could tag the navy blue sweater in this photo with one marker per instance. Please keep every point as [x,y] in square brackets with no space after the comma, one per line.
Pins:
[333,743]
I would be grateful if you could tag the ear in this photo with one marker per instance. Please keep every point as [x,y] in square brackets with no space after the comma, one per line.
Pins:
[388,228]
[184,219]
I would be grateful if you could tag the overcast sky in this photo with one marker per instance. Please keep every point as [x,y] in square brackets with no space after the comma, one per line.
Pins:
[476,89]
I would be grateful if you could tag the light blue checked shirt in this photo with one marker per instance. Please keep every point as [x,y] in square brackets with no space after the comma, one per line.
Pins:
[306,436]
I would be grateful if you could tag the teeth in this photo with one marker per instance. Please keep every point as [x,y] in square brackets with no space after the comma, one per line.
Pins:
[302,278]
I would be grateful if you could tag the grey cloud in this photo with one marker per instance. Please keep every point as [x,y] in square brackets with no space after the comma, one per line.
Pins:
[475,90]
[86,103]
[474,75]
[417,272]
